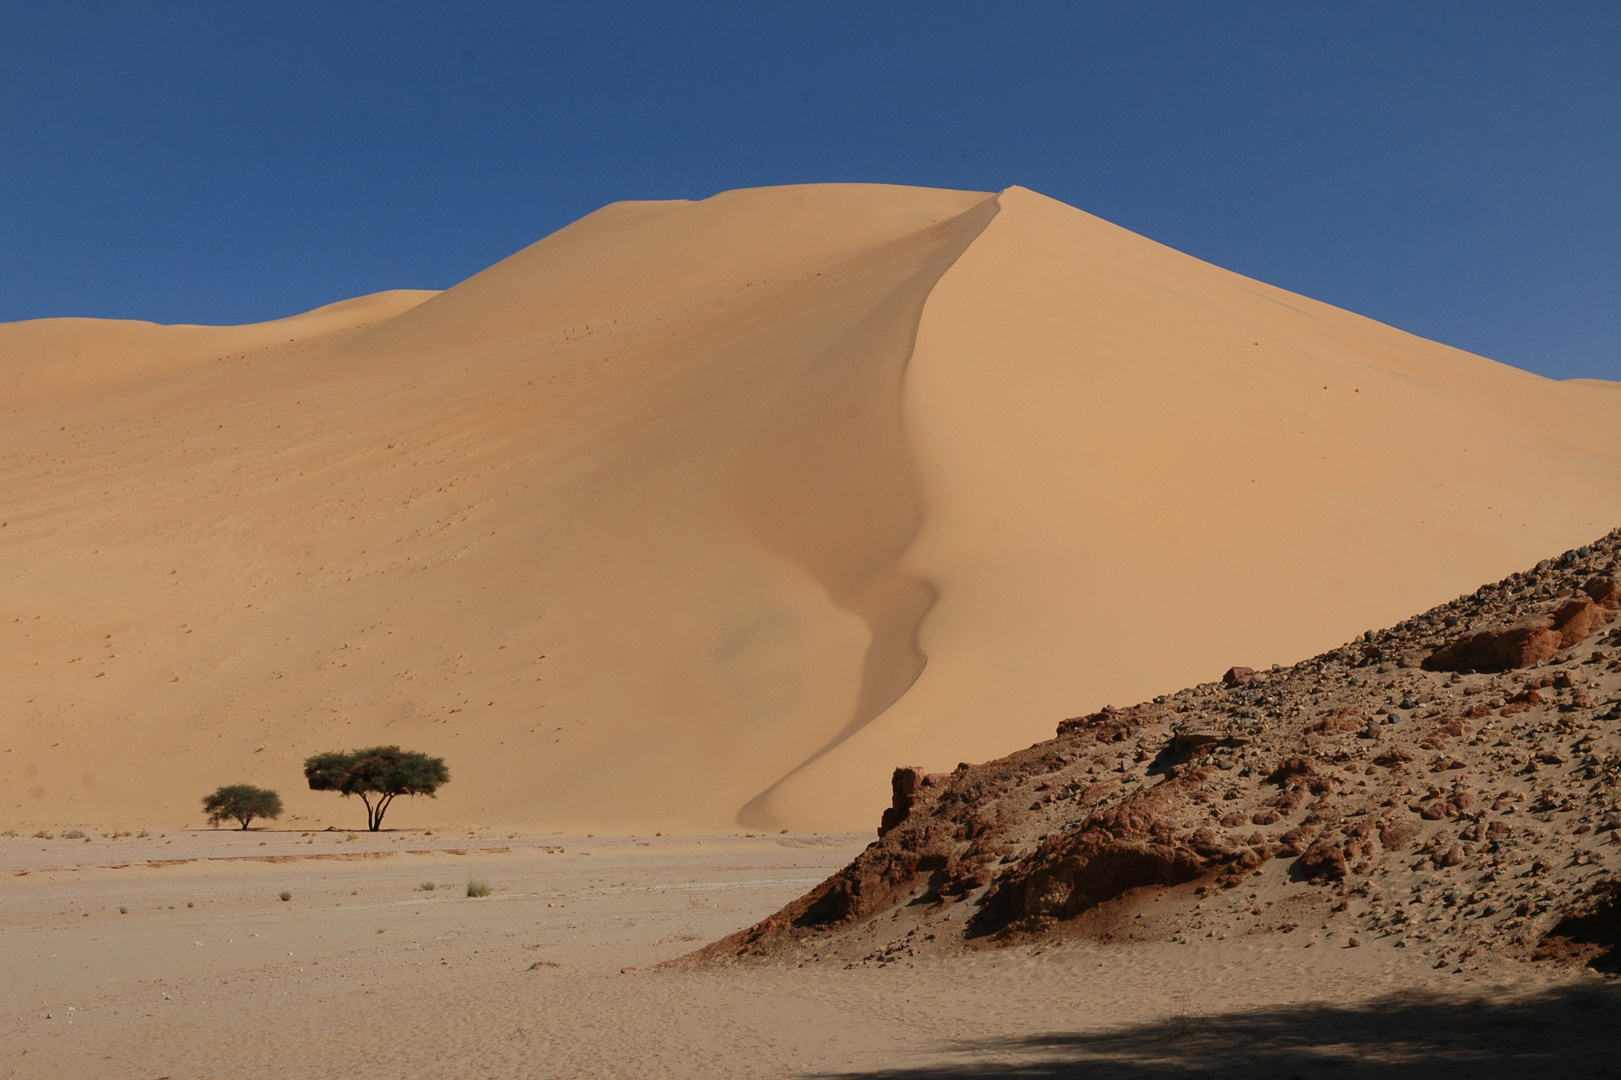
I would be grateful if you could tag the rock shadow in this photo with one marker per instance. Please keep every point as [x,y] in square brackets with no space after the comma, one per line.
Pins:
[1572,1031]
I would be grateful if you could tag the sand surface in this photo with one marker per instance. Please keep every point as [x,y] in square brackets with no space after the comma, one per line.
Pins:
[699,513]
[363,972]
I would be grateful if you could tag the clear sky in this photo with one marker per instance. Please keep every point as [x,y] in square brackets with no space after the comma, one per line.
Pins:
[1452,169]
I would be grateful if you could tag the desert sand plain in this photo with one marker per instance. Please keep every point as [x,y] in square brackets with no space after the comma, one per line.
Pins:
[696,519]
[364,973]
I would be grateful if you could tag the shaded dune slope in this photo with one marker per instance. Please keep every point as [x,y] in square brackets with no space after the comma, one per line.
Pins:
[699,512]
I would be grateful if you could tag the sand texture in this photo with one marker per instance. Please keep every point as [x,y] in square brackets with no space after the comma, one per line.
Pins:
[554,974]
[695,513]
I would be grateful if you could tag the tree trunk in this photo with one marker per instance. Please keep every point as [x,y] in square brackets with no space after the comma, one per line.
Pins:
[382,807]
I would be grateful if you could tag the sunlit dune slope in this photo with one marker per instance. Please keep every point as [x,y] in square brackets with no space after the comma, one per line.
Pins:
[699,510]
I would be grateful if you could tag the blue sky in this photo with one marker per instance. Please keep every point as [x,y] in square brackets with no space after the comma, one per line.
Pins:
[1452,169]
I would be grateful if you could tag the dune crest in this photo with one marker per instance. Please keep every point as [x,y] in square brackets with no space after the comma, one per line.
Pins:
[47,358]
[653,523]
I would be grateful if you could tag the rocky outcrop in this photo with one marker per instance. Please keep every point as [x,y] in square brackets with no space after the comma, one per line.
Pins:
[1533,640]
[1157,838]
[903,786]
[1445,808]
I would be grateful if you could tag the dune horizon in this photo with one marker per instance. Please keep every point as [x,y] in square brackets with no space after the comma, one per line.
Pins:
[705,515]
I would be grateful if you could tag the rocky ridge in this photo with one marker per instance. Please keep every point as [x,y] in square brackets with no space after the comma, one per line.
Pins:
[1451,784]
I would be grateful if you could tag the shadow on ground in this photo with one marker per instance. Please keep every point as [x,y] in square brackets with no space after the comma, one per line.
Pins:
[1569,1032]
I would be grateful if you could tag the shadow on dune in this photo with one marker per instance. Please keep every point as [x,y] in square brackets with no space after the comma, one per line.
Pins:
[1569,1032]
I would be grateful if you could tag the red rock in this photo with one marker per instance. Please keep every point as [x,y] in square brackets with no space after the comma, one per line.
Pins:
[1396,834]
[1604,590]
[1538,639]
[1188,745]
[1295,841]
[1323,862]
[1291,768]
[1339,722]
[903,785]
[1238,676]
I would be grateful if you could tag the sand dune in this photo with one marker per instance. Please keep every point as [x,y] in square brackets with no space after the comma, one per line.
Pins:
[698,510]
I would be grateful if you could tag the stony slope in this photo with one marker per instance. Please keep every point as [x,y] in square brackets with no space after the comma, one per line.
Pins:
[1451,784]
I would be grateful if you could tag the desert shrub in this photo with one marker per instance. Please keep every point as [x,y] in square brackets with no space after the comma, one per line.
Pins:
[378,774]
[241,802]
[477,887]
[428,886]
[122,910]
[285,895]
[43,835]
[74,834]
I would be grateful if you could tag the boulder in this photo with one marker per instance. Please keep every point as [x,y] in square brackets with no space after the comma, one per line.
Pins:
[1238,676]
[1534,640]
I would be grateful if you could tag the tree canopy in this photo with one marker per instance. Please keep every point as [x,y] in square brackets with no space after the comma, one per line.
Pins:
[241,802]
[378,774]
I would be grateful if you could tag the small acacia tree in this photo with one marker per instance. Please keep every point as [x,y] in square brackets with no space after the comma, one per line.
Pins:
[378,774]
[241,802]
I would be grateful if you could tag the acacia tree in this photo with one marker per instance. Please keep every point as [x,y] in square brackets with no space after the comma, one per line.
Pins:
[241,802]
[378,774]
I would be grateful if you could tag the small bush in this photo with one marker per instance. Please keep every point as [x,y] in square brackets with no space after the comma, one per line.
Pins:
[285,895]
[74,834]
[477,887]
[428,886]
[191,903]
[142,835]
[9,832]
[43,835]
[122,910]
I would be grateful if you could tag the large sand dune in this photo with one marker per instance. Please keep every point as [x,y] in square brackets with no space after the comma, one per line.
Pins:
[699,510]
